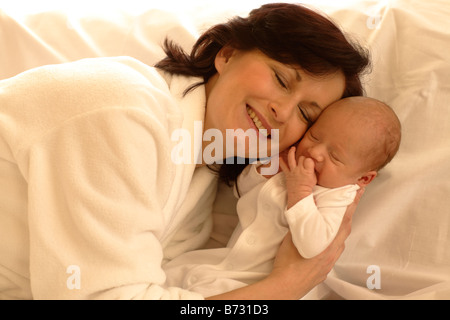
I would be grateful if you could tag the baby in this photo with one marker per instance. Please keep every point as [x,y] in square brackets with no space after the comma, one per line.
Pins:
[343,151]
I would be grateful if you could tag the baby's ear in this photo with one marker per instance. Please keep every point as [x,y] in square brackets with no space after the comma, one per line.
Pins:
[366,178]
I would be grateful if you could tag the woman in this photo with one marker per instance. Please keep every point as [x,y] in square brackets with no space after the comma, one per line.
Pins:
[94,200]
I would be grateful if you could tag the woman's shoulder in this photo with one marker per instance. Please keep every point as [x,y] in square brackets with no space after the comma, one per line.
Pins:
[116,82]
[53,96]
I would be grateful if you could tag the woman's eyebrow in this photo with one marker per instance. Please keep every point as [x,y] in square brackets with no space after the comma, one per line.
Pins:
[298,77]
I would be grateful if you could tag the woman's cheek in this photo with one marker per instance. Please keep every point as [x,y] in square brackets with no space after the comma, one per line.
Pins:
[294,133]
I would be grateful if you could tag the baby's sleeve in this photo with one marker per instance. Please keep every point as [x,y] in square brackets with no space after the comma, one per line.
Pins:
[314,226]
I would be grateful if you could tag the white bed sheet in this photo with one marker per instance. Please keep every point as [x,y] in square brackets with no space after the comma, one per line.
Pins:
[399,246]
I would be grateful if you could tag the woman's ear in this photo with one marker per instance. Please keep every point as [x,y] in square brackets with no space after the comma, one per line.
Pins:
[222,58]
[366,178]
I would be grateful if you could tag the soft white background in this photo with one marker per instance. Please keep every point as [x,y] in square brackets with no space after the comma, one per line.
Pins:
[402,225]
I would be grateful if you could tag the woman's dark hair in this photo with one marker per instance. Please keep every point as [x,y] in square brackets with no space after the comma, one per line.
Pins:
[289,33]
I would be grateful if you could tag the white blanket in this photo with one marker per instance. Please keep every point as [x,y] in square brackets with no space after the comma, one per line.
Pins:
[400,237]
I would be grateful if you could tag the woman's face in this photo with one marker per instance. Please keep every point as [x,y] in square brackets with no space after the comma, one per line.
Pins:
[253,91]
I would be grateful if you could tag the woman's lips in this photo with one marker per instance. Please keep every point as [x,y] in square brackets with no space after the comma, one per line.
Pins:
[259,121]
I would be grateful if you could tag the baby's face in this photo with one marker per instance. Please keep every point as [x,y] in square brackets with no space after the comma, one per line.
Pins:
[337,148]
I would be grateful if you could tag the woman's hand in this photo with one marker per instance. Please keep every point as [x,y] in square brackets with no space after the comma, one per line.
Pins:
[293,276]
[300,275]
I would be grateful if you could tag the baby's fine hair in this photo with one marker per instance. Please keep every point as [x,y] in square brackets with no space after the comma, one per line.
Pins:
[378,116]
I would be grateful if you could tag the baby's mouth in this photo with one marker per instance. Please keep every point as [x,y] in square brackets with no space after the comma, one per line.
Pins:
[263,130]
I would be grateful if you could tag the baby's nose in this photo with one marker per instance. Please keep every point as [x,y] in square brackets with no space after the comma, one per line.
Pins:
[316,154]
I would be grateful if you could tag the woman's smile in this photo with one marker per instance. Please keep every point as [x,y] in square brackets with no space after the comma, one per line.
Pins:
[259,122]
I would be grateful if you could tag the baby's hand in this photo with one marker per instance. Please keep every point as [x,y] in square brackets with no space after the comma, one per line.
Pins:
[300,177]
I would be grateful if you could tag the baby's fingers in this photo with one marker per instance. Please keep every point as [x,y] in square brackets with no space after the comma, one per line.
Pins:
[308,164]
[285,160]
[291,158]
[284,167]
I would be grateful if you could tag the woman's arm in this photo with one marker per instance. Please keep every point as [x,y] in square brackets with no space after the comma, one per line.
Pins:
[93,143]
[293,276]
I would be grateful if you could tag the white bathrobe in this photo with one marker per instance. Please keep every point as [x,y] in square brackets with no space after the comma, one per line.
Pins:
[263,223]
[91,202]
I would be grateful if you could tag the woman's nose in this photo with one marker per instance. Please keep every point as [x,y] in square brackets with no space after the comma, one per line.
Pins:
[282,110]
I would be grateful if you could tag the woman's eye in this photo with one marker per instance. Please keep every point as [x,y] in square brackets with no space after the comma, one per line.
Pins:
[305,115]
[280,81]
